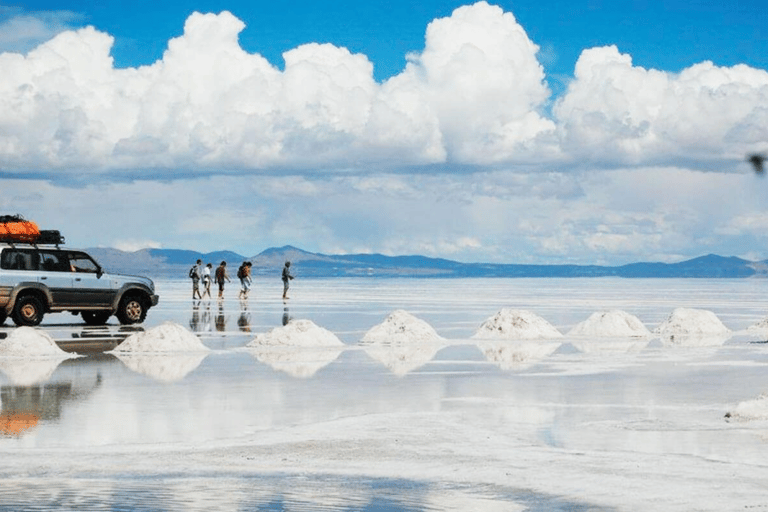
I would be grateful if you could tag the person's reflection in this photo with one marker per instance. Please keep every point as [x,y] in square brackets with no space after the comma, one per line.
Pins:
[286,316]
[206,317]
[244,321]
[194,322]
[221,322]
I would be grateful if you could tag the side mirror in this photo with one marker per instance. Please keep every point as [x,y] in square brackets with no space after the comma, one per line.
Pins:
[99,273]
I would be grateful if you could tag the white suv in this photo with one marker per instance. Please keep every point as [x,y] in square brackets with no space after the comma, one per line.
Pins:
[36,279]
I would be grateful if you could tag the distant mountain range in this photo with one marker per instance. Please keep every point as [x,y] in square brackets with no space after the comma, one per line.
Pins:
[176,263]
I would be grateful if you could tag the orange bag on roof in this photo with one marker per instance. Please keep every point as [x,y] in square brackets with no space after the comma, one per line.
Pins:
[16,229]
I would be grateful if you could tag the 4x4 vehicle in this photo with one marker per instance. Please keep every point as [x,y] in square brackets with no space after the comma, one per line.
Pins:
[36,279]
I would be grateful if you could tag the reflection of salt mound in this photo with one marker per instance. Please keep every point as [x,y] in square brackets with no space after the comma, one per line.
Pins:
[750,410]
[29,342]
[401,326]
[693,327]
[296,361]
[610,345]
[613,323]
[517,354]
[162,367]
[168,337]
[29,372]
[302,333]
[402,342]
[516,324]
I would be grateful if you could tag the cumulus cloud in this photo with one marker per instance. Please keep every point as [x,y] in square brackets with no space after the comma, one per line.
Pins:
[474,96]
[616,112]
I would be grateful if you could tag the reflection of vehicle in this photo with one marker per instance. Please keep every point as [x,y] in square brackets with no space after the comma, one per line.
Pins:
[37,279]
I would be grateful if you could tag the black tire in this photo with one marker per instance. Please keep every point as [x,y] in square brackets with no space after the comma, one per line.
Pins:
[3,316]
[95,317]
[28,311]
[132,310]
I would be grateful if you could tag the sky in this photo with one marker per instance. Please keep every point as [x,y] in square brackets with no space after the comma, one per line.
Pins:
[550,132]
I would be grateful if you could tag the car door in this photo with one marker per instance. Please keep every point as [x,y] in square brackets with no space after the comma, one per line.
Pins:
[53,271]
[91,287]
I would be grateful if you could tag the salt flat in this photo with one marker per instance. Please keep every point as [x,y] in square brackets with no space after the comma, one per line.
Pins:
[582,421]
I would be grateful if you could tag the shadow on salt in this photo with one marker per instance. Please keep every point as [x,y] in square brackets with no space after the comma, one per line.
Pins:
[167,353]
[516,339]
[688,327]
[402,342]
[300,348]
[29,356]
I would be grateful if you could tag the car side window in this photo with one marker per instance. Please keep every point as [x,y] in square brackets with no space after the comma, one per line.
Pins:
[81,262]
[19,260]
[53,261]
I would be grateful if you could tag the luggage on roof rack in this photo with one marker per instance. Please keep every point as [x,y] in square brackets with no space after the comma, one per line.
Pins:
[14,228]
[50,237]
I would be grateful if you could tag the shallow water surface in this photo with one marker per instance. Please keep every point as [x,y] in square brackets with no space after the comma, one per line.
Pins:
[458,424]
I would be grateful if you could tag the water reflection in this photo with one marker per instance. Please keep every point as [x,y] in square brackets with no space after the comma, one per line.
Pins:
[244,320]
[402,357]
[23,407]
[516,355]
[286,315]
[299,362]
[221,321]
[163,367]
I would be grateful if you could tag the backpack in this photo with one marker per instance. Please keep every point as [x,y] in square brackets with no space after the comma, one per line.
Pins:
[241,272]
[192,272]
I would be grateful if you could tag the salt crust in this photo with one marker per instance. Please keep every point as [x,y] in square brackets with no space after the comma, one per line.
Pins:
[609,324]
[751,410]
[167,337]
[300,333]
[29,342]
[401,327]
[516,324]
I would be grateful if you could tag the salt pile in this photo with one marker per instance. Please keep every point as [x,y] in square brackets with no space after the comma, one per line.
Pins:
[750,410]
[401,327]
[516,324]
[303,333]
[168,337]
[517,354]
[693,327]
[402,342]
[614,323]
[29,342]
[278,348]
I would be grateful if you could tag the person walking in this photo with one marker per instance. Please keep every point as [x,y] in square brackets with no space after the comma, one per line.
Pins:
[207,280]
[221,276]
[244,274]
[287,277]
[196,273]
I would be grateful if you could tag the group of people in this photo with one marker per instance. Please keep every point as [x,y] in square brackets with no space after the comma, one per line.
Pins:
[199,273]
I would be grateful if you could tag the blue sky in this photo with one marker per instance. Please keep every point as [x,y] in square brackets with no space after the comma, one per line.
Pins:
[580,131]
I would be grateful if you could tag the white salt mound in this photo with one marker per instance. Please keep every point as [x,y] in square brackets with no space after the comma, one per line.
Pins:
[168,337]
[303,333]
[751,410]
[760,326]
[401,327]
[516,324]
[691,322]
[610,323]
[29,342]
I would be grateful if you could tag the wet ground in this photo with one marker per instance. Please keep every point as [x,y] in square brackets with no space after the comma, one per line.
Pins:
[600,424]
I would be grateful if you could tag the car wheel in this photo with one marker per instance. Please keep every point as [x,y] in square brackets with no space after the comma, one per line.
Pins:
[3,316]
[28,311]
[95,317]
[131,310]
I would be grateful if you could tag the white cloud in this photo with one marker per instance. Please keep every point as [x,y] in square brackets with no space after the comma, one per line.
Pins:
[21,31]
[616,112]
[474,96]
